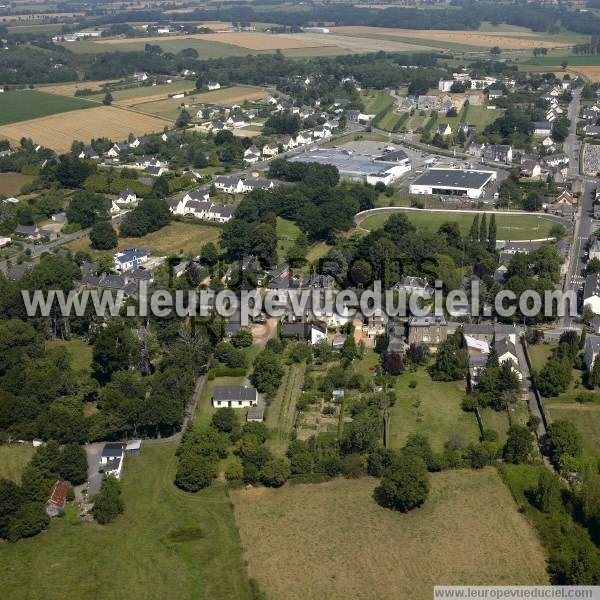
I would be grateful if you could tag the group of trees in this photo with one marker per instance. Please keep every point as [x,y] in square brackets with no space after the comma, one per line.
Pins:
[22,506]
[556,374]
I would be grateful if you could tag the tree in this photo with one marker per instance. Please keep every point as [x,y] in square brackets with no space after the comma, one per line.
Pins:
[115,349]
[474,231]
[195,472]
[275,472]
[242,339]
[183,119]
[11,498]
[483,229]
[151,214]
[519,444]
[405,485]
[103,236]
[73,464]
[28,520]
[86,208]
[267,373]
[563,438]
[108,504]
[209,255]
[225,420]
[547,495]
[594,376]
[108,99]
[492,233]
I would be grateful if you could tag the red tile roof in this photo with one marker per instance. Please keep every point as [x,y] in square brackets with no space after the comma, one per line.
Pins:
[59,494]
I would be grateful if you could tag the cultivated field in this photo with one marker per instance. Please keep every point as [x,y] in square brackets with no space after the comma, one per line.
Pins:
[356,43]
[589,72]
[510,227]
[11,183]
[59,131]
[27,104]
[167,543]
[144,93]
[333,541]
[511,39]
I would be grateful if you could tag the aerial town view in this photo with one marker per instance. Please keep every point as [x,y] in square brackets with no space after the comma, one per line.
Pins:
[299,300]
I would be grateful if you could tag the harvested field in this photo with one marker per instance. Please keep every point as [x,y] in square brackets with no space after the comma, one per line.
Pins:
[245,39]
[589,72]
[59,131]
[69,89]
[333,541]
[357,44]
[516,40]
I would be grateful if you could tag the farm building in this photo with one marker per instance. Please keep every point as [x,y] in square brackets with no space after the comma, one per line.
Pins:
[453,182]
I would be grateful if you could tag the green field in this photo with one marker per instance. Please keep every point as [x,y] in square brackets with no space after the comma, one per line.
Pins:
[375,102]
[13,459]
[287,232]
[27,104]
[586,417]
[510,227]
[79,351]
[144,91]
[432,408]
[138,556]
[205,48]
[481,116]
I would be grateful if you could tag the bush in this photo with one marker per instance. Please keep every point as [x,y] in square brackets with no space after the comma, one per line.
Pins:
[29,520]
[195,472]
[353,466]
[405,486]
[108,504]
[275,472]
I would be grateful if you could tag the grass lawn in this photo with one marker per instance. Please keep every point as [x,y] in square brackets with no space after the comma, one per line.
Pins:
[586,417]
[481,116]
[13,459]
[539,354]
[510,227]
[316,251]
[365,365]
[287,232]
[498,420]
[432,408]
[354,137]
[376,101]
[332,540]
[28,104]
[138,555]
[176,238]
[79,351]
[11,183]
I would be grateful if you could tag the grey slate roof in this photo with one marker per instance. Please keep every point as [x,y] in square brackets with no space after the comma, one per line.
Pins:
[234,392]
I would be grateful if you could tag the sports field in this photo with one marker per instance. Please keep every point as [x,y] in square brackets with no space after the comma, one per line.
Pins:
[167,544]
[509,227]
[58,131]
[333,541]
[22,105]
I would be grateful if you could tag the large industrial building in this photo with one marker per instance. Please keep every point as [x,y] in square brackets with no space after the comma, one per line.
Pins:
[453,182]
[386,168]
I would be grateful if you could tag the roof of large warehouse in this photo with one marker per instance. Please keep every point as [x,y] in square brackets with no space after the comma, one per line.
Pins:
[454,178]
[344,161]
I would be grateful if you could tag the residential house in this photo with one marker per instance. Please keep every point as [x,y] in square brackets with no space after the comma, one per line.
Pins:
[595,250]
[591,292]
[234,396]
[591,350]
[429,330]
[220,213]
[531,168]
[131,258]
[213,85]
[127,196]
[115,150]
[230,184]
[498,153]
[270,150]
[111,459]
[542,129]
[256,183]
[592,130]
[321,132]
[88,154]
[506,351]
[444,129]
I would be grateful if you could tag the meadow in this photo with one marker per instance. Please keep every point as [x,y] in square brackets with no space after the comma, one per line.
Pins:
[59,130]
[331,540]
[509,227]
[23,105]
[167,543]
[11,183]
[147,93]
[80,352]
[176,238]
[13,459]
